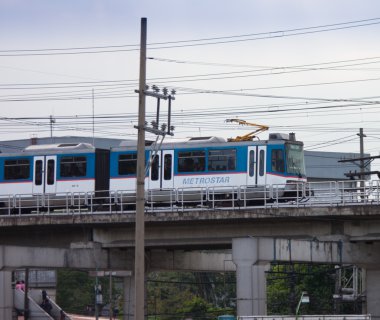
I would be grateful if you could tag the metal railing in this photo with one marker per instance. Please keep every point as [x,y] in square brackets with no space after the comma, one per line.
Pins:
[310,317]
[330,193]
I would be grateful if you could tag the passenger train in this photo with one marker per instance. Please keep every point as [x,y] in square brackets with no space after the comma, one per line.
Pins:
[197,170]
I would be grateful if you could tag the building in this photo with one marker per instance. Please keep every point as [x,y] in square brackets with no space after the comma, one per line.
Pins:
[325,166]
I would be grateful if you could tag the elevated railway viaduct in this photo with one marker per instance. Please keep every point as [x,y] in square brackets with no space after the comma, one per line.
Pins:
[197,239]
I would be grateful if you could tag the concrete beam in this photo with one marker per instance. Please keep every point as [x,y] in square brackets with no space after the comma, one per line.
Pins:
[92,256]
[220,261]
[12,257]
[335,252]
[300,250]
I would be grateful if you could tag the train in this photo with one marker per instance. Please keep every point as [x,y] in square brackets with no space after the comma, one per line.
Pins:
[197,170]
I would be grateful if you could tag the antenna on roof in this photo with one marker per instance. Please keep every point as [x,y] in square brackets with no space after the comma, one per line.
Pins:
[52,120]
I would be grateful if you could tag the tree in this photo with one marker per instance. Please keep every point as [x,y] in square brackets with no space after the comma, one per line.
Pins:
[286,282]
[176,295]
[75,290]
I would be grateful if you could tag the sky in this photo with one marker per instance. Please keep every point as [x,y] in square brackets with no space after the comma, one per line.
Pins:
[310,67]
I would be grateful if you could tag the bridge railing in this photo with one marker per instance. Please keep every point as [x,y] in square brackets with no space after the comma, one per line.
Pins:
[326,193]
[310,317]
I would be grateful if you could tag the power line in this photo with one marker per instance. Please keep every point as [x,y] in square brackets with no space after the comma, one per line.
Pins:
[108,87]
[199,77]
[263,68]
[331,142]
[238,92]
[193,42]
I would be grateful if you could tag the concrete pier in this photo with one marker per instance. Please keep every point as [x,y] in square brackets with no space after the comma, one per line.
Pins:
[373,293]
[6,295]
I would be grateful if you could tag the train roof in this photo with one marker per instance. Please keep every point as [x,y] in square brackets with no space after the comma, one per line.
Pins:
[274,138]
[60,148]
[81,146]
[194,142]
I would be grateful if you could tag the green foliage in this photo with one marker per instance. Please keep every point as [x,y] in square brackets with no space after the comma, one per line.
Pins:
[181,295]
[196,307]
[287,282]
[76,290]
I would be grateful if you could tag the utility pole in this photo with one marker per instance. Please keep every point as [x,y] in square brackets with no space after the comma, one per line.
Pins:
[163,130]
[140,184]
[362,166]
[110,296]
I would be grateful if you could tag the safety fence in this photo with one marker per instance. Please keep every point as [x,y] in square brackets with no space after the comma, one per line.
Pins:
[327,193]
[310,317]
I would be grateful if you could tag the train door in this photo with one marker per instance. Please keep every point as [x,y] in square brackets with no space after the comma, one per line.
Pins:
[256,165]
[44,175]
[261,165]
[161,170]
[167,169]
[154,170]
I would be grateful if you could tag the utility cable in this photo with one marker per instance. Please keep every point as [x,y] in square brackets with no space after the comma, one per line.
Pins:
[193,42]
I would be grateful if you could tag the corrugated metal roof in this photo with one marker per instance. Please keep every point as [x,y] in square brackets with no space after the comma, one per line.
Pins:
[325,165]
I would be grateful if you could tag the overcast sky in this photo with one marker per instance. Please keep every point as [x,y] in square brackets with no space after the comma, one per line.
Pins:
[311,67]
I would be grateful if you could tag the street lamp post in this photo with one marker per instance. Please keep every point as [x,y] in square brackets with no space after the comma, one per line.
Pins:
[303,299]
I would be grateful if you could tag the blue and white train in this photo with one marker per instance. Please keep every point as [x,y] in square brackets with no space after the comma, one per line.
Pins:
[193,170]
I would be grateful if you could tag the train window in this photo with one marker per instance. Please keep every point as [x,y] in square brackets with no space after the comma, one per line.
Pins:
[251,163]
[73,167]
[295,159]
[127,164]
[191,161]
[155,168]
[38,173]
[261,162]
[50,172]
[168,167]
[222,160]
[277,160]
[16,169]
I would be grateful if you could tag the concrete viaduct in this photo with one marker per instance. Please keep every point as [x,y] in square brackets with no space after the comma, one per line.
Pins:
[245,240]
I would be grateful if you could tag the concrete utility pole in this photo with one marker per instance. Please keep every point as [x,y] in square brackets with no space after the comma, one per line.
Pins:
[140,193]
[362,166]
[165,129]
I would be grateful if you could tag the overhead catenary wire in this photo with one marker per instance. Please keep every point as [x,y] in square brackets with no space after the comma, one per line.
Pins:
[192,42]
[133,82]
[307,67]
[110,84]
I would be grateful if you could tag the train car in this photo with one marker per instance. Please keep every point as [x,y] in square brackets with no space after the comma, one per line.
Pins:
[44,176]
[196,171]
[209,168]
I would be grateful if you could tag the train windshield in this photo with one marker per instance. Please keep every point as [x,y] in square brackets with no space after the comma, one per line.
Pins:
[295,160]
